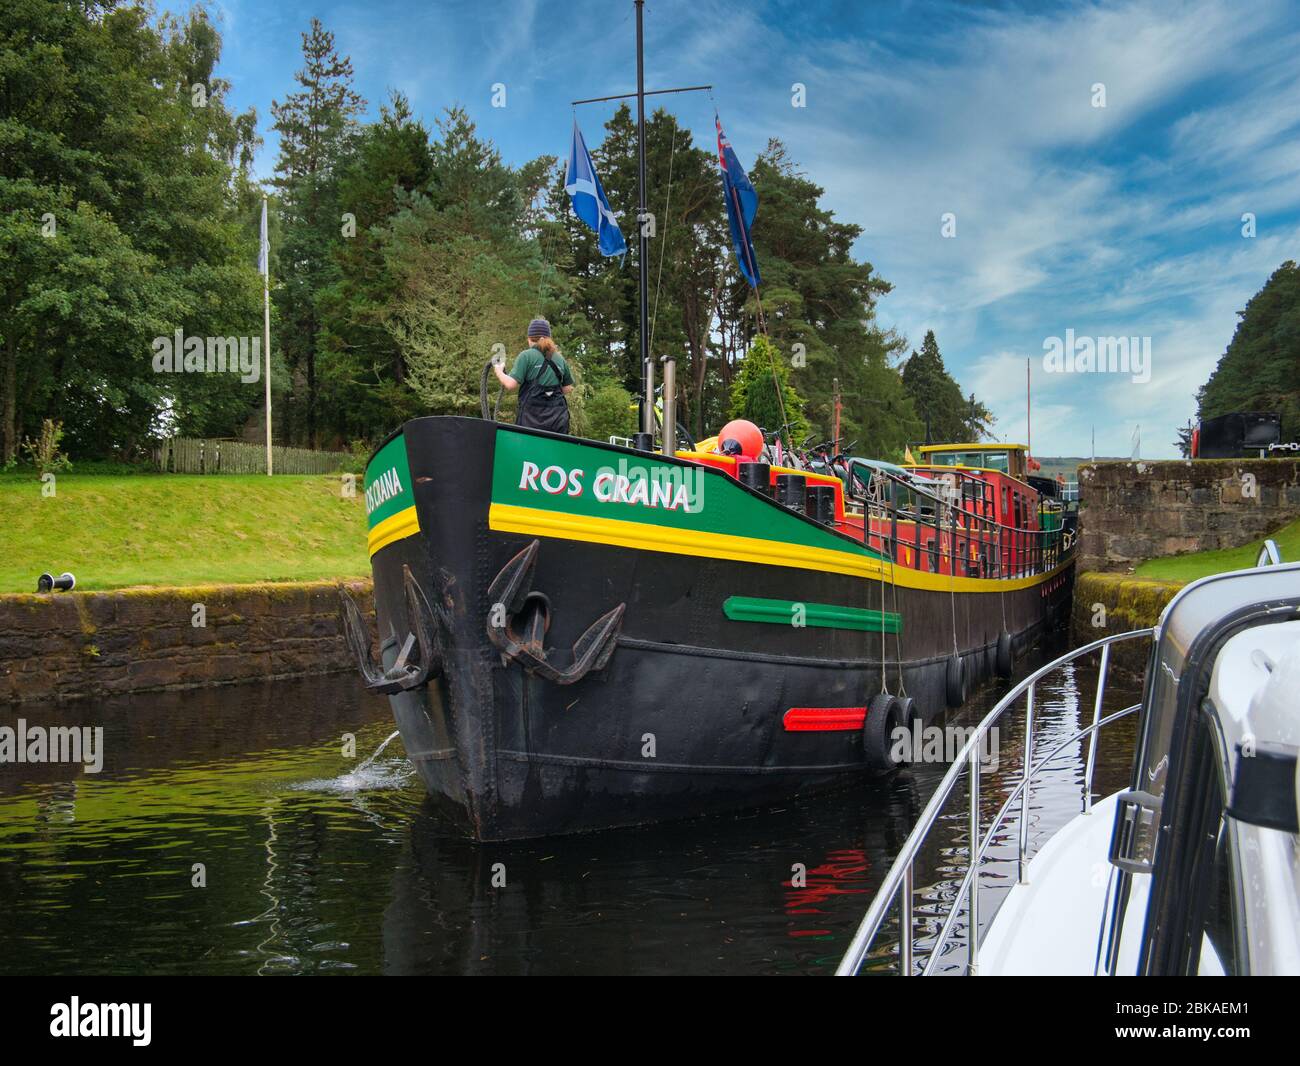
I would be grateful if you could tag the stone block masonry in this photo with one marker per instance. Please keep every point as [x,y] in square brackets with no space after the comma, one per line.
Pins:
[1107,604]
[68,645]
[1133,511]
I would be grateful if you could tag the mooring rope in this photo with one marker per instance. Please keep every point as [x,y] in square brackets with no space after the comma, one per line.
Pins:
[952,582]
[898,630]
[965,562]
[776,377]
[884,657]
[663,240]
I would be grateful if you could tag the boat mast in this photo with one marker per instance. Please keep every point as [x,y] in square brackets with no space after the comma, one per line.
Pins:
[646,396]
[643,279]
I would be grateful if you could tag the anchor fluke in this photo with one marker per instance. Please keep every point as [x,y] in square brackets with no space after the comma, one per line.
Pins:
[406,673]
[519,618]
[511,586]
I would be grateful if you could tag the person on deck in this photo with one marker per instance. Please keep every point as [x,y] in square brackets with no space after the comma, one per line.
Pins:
[543,379]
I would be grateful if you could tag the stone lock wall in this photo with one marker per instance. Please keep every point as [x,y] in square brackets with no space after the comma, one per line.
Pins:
[1133,511]
[1107,604]
[64,645]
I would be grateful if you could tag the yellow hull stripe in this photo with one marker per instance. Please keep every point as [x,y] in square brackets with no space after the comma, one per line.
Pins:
[905,577]
[393,528]
[508,518]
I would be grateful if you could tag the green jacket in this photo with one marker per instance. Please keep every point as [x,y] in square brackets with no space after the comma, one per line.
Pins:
[529,363]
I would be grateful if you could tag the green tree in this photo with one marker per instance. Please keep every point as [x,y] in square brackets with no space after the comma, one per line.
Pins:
[611,412]
[946,414]
[119,185]
[1260,370]
[314,124]
[686,257]
[978,419]
[468,278]
[819,300]
[362,370]
[754,393]
[685,260]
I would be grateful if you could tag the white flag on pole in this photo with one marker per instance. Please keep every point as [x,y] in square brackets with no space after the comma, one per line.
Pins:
[264,247]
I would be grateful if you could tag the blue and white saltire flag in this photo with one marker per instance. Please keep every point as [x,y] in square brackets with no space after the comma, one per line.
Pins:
[264,247]
[589,201]
[742,206]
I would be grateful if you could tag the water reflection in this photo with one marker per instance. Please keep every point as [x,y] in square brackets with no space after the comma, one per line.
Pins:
[316,863]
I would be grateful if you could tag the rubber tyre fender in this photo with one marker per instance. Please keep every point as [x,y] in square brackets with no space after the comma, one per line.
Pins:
[884,715]
[1006,655]
[955,681]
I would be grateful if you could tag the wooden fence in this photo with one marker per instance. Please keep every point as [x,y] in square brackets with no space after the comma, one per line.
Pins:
[192,455]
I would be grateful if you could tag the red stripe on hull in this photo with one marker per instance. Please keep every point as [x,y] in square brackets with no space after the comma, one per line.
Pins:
[823,719]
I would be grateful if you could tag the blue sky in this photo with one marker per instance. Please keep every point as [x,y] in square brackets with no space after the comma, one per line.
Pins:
[1115,221]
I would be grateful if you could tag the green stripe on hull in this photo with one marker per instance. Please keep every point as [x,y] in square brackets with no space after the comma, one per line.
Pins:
[819,615]
[572,478]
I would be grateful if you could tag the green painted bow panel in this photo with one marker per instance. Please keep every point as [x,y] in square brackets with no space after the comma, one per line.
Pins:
[388,482]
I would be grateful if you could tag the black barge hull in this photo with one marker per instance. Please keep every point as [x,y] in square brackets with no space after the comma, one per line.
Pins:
[605,656]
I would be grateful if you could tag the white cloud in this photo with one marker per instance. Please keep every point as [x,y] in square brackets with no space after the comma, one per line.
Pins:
[1067,215]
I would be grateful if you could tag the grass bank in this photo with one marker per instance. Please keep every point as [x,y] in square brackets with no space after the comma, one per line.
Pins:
[1184,568]
[117,531]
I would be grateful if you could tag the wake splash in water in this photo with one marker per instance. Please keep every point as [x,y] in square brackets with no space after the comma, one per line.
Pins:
[369,774]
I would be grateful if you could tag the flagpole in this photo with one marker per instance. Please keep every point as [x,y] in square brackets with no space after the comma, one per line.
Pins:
[266,331]
[1029,428]
[643,280]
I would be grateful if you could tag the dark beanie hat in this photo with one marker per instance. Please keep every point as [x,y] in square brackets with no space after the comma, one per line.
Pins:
[538,327]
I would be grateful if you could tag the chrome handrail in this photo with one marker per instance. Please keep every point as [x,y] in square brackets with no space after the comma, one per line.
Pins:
[1268,554]
[1022,792]
[901,873]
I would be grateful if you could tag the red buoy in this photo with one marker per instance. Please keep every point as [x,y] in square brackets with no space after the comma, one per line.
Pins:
[746,434]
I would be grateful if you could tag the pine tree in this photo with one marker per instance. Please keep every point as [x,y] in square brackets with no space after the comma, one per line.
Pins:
[362,370]
[947,415]
[1260,370]
[819,304]
[467,277]
[314,126]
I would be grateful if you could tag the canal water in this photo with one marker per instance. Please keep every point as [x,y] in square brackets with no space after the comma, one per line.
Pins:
[228,833]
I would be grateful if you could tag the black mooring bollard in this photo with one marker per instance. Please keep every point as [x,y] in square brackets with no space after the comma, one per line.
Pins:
[756,476]
[820,503]
[49,583]
[790,490]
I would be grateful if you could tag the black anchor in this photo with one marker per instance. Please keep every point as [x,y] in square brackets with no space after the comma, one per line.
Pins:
[422,632]
[520,635]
